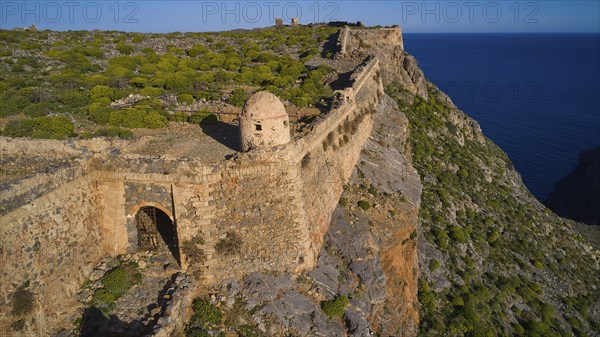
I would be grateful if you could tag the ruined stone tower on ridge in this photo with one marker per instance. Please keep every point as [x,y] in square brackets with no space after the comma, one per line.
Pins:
[264,122]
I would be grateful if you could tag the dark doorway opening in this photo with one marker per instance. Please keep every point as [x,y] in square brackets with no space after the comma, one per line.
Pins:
[156,231]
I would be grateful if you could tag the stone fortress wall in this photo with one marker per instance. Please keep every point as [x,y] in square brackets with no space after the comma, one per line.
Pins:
[353,39]
[387,44]
[276,203]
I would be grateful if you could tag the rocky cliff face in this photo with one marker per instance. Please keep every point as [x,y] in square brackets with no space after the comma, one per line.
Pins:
[577,195]
[494,261]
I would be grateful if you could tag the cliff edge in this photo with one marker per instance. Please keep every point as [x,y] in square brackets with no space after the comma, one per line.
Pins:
[493,260]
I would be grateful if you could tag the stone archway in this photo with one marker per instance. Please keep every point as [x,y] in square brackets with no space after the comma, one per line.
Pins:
[156,231]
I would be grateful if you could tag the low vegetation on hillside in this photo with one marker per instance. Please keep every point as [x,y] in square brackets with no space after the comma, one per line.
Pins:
[61,84]
[114,285]
[494,261]
[209,320]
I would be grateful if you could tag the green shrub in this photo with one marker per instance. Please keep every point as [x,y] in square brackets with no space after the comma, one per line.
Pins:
[97,79]
[519,331]
[197,50]
[127,62]
[186,98]
[427,299]
[94,52]
[103,296]
[151,91]
[115,284]
[102,91]
[193,249]
[494,235]
[58,127]
[336,307]
[19,128]
[442,238]
[73,98]
[434,264]
[364,205]
[459,234]
[457,301]
[206,316]
[197,332]
[178,116]
[38,109]
[99,111]
[203,117]
[138,117]
[124,49]
[138,82]
[373,190]
[344,201]
[137,38]
[229,245]
[238,97]
[537,329]
[247,331]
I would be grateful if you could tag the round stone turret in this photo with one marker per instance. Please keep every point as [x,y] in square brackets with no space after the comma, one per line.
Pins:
[264,122]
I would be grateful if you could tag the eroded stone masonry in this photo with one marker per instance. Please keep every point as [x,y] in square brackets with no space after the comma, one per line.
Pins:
[275,203]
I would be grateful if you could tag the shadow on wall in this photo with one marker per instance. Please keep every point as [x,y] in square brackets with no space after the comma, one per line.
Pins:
[168,233]
[343,81]
[224,133]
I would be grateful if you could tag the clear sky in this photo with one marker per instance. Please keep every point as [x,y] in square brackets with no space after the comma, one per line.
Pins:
[417,16]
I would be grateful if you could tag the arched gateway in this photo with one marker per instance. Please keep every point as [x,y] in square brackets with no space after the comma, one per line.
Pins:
[156,231]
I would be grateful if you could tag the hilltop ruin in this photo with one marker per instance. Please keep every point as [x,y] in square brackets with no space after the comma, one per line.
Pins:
[275,195]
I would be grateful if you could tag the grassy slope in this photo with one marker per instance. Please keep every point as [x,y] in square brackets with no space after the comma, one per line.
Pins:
[494,261]
[60,84]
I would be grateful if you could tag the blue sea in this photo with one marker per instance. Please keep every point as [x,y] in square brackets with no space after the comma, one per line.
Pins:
[537,96]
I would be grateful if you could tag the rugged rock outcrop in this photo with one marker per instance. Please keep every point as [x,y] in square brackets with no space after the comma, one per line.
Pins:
[392,184]
[493,260]
[577,195]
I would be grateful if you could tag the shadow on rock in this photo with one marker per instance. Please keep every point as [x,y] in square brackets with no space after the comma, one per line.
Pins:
[343,81]
[330,46]
[94,324]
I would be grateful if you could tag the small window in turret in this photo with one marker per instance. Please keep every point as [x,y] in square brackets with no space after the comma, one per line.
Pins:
[258,127]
